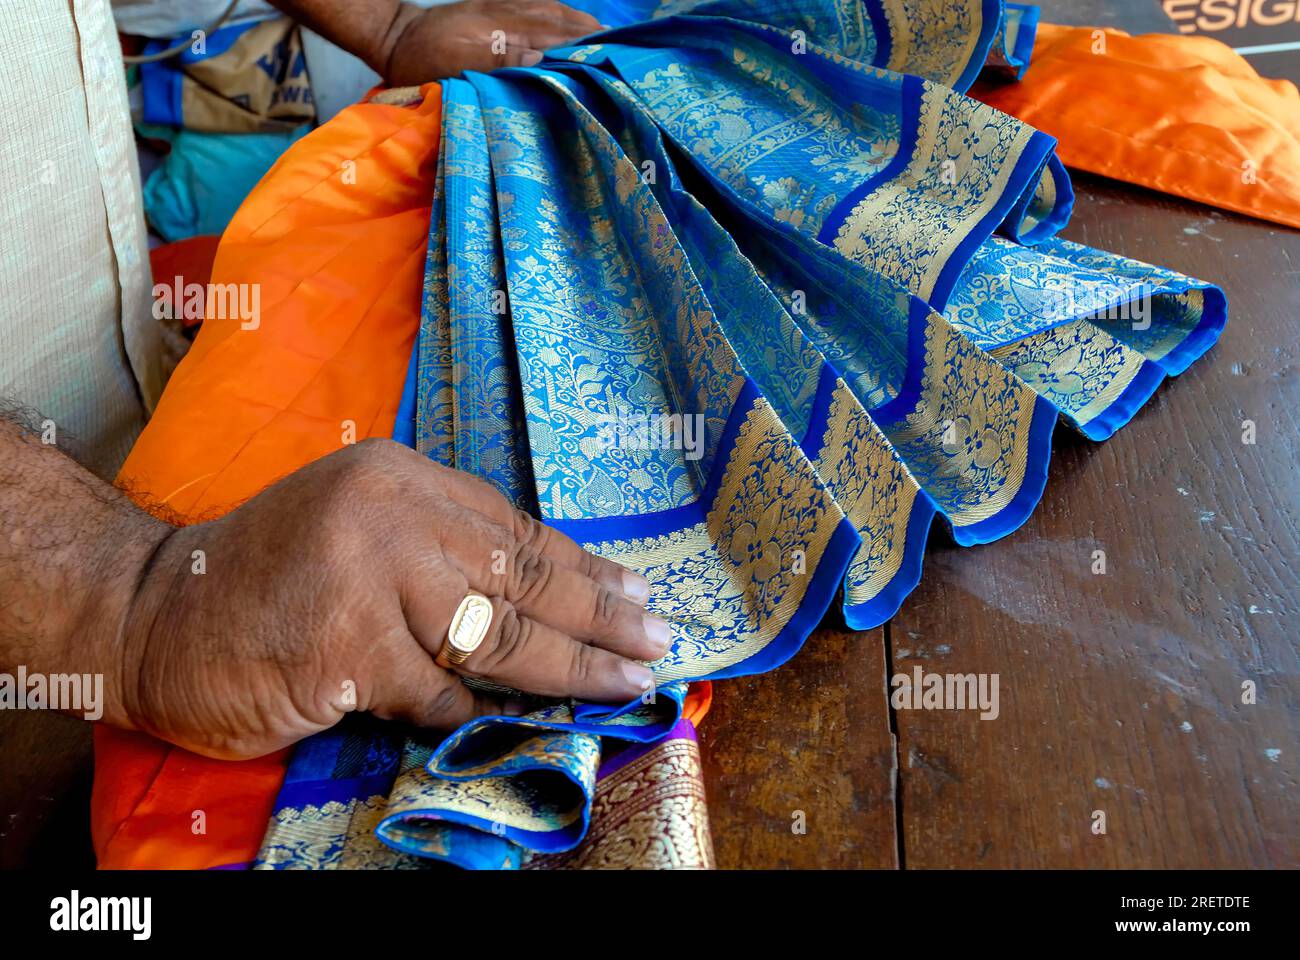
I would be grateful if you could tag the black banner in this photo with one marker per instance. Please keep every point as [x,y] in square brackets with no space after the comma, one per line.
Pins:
[436,910]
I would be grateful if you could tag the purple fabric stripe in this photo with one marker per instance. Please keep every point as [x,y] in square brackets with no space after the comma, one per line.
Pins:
[682,730]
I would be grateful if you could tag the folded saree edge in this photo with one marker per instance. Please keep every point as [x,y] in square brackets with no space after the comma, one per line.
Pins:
[1154,372]
[871,613]
[1032,485]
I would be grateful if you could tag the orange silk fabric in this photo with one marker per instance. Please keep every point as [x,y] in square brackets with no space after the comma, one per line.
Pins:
[1180,114]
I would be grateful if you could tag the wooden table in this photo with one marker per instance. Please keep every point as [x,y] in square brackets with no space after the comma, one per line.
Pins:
[1121,692]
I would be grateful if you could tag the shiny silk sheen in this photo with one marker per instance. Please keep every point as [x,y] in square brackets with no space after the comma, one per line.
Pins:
[780,222]
[772,219]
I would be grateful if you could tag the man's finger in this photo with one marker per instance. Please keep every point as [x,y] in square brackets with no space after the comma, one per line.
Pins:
[551,17]
[495,564]
[571,18]
[418,691]
[478,495]
[518,50]
[561,549]
[520,56]
[554,35]
[528,655]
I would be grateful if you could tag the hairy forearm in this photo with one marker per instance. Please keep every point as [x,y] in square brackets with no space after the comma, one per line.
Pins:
[365,28]
[72,551]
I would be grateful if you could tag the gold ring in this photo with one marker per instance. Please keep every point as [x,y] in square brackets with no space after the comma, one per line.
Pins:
[469,627]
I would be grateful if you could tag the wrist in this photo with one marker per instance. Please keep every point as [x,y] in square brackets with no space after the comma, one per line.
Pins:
[379,57]
[111,633]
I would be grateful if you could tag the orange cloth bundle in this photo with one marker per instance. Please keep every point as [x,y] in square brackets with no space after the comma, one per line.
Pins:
[1183,115]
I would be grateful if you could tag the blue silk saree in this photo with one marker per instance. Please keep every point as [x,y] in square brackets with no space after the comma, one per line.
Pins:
[743,294]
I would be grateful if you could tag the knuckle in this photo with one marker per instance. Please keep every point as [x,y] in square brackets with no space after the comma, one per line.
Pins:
[605,614]
[582,665]
[530,574]
[361,469]
[528,530]
[511,638]
[589,565]
[379,450]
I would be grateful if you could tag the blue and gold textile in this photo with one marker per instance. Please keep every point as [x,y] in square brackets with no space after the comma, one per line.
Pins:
[743,294]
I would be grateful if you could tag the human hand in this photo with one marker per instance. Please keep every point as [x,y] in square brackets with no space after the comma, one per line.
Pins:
[445,40]
[333,590]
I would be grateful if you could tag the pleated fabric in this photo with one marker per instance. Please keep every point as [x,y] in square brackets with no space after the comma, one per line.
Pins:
[744,296]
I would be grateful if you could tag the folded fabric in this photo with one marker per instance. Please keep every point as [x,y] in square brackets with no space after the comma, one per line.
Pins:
[351,799]
[204,177]
[244,78]
[776,222]
[826,266]
[1180,114]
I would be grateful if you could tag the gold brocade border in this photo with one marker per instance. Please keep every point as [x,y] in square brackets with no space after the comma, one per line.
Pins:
[1193,302]
[735,568]
[1128,369]
[933,39]
[873,487]
[1114,365]
[948,353]
[911,219]
[337,835]
[506,800]
[648,815]
[1044,201]
[900,38]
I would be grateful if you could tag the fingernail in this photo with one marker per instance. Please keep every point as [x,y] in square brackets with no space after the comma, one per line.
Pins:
[635,587]
[530,57]
[514,707]
[638,676]
[658,632]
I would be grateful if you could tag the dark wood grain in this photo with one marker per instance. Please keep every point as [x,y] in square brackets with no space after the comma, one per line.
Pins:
[810,738]
[1122,692]
[1118,692]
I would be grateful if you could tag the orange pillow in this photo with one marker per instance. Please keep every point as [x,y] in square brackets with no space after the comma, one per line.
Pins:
[1184,115]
